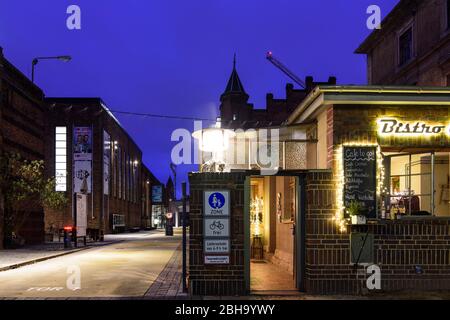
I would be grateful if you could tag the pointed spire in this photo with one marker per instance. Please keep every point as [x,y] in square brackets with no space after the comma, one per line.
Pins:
[234,83]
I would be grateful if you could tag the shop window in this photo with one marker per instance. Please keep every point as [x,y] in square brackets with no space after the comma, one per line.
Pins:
[61,158]
[405,43]
[417,184]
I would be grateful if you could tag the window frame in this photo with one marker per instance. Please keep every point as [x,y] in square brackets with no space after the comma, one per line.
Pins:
[60,165]
[410,25]
[432,193]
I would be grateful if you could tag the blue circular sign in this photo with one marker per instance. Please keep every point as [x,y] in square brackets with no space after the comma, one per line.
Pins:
[216,200]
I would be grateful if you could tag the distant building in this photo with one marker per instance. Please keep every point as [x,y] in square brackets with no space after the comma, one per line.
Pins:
[236,112]
[148,180]
[99,147]
[22,129]
[412,47]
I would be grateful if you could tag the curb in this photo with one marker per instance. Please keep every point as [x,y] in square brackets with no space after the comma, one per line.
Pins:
[25,263]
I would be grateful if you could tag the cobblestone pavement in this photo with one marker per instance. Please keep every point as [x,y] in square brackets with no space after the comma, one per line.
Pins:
[168,285]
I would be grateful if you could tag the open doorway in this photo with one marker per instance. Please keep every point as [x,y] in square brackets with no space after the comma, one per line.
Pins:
[273,215]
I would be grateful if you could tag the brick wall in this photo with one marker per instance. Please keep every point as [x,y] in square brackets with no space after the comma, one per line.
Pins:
[22,131]
[431,46]
[216,279]
[89,112]
[357,123]
[399,246]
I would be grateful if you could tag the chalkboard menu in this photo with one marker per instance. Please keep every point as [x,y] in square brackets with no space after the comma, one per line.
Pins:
[360,171]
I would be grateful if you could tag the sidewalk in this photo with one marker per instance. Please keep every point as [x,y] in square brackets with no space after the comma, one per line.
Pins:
[15,258]
[168,285]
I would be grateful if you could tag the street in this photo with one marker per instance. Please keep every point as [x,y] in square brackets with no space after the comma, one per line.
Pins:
[124,269]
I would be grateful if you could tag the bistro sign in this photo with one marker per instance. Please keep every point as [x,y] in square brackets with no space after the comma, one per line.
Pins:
[395,127]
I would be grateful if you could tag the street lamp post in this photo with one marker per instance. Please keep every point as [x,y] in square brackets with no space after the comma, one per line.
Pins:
[184,243]
[36,61]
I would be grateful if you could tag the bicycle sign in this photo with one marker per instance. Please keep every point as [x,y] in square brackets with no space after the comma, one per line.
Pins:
[216,203]
[216,227]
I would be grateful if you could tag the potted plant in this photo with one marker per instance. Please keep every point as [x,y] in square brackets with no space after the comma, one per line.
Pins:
[357,212]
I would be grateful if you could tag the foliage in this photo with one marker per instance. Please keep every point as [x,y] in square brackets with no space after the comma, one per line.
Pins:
[23,185]
[355,208]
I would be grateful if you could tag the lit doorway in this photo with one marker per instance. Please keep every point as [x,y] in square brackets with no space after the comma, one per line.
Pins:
[272,246]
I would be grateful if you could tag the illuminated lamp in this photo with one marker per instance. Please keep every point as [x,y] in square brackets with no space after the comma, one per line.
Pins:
[215,140]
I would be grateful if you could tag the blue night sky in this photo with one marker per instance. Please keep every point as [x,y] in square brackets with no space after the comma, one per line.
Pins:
[175,57]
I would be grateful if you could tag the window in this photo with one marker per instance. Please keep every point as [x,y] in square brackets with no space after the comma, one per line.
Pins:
[115,170]
[61,158]
[418,184]
[405,42]
[119,172]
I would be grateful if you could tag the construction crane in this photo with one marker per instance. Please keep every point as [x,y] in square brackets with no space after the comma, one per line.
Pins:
[284,69]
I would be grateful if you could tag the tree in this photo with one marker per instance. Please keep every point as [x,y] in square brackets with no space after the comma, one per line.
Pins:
[23,185]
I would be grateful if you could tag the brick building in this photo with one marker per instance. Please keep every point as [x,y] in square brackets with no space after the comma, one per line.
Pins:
[96,146]
[22,130]
[148,180]
[384,147]
[294,226]
[412,47]
[236,112]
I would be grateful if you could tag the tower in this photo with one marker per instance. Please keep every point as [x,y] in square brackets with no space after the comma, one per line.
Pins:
[234,109]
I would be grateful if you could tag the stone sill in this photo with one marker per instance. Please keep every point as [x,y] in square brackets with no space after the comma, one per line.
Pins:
[406,219]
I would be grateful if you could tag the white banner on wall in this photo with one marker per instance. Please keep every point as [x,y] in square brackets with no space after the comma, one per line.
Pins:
[82,169]
[82,143]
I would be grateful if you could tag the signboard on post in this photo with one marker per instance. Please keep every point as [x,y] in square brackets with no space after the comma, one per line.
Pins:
[217,259]
[360,173]
[216,203]
[217,246]
[81,215]
[216,226]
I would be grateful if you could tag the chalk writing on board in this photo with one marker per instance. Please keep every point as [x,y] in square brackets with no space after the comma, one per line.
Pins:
[360,177]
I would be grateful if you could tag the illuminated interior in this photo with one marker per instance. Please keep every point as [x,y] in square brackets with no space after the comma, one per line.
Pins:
[418,184]
[273,203]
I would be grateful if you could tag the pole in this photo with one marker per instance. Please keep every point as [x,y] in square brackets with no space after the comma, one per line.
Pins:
[183,187]
[32,70]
